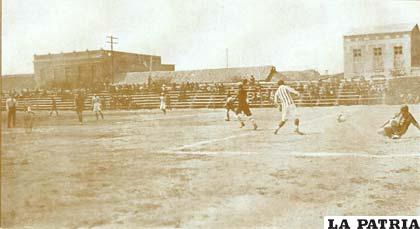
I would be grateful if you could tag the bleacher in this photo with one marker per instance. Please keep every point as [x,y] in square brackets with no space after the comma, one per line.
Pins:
[206,99]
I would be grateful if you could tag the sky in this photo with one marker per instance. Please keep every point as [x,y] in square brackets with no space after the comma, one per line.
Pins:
[195,34]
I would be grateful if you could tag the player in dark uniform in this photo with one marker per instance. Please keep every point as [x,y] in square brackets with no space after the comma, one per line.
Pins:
[398,126]
[53,106]
[79,103]
[243,107]
[168,101]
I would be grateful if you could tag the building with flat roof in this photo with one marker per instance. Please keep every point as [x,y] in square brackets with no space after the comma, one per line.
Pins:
[219,75]
[89,68]
[382,52]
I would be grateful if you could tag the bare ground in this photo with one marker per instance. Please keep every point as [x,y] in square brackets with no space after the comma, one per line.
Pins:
[190,168]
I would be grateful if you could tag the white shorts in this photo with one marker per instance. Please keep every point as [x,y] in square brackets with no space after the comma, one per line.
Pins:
[289,112]
[163,106]
[96,107]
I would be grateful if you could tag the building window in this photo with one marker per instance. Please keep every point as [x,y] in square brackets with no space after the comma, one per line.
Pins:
[398,50]
[357,52]
[378,63]
[377,51]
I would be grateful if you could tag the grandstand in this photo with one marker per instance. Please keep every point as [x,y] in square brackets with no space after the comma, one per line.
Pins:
[211,96]
[209,88]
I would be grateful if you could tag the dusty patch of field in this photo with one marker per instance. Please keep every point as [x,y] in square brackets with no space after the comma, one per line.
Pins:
[190,168]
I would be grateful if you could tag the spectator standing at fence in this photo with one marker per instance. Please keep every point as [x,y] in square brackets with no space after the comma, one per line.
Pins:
[53,106]
[79,103]
[11,104]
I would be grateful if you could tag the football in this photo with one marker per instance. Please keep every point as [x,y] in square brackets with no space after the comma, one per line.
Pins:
[341,118]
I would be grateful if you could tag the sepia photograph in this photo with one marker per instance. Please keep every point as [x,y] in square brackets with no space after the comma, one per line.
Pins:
[210,114]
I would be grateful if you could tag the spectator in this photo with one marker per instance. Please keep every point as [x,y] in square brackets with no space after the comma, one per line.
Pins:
[11,104]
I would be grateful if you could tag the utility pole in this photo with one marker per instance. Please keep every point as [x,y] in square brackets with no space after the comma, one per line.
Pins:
[112,42]
[151,63]
[227,58]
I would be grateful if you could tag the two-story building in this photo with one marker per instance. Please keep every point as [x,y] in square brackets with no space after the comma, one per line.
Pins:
[90,67]
[382,52]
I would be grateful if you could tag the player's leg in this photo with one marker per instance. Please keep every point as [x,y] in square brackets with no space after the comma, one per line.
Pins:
[14,117]
[283,120]
[295,115]
[162,108]
[297,121]
[9,119]
[54,110]
[281,124]
[79,116]
[30,122]
[102,115]
[227,114]
[386,131]
[25,122]
[238,116]
[248,113]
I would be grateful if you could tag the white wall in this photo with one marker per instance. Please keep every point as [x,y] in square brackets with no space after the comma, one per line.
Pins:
[366,44]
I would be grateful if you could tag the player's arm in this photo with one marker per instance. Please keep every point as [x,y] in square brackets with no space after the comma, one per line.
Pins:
[414,121]
[276,98]
[292,90]
[386,123]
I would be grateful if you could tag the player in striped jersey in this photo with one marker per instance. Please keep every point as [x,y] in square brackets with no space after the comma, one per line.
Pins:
[284,100]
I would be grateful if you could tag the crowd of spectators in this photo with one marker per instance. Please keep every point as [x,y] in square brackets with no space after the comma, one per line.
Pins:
[121,96]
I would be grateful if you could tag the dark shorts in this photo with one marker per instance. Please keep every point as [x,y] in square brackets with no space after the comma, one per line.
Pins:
[230,106]
[244,109]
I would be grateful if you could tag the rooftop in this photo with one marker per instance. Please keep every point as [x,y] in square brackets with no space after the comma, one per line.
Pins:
[396,28]
[97,51]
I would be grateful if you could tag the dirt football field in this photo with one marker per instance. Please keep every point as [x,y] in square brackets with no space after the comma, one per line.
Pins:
[191,168]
